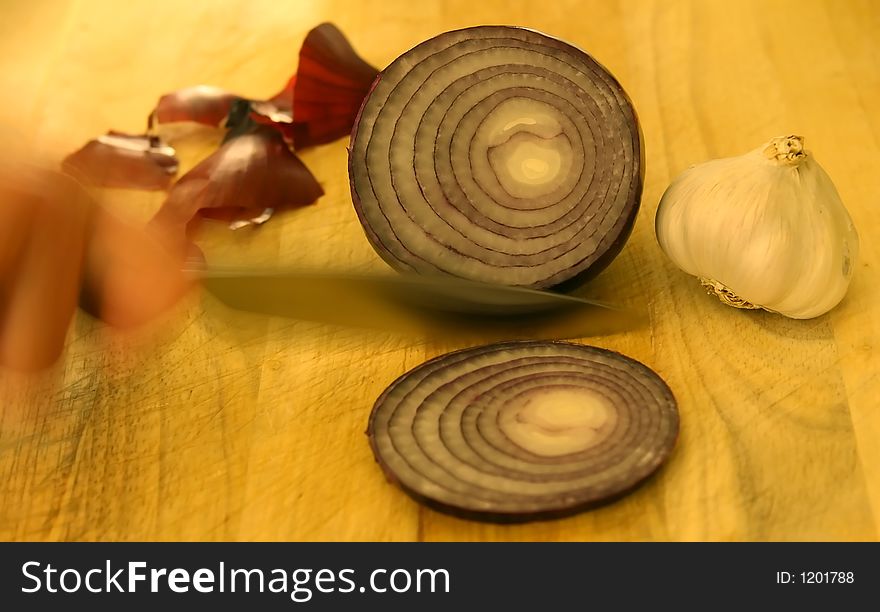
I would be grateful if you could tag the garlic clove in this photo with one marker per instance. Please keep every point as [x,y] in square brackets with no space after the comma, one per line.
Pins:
[762,230]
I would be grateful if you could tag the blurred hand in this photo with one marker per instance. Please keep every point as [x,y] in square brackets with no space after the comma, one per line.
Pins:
[56,243]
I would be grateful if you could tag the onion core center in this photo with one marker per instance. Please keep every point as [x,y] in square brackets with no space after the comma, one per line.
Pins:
[557,422]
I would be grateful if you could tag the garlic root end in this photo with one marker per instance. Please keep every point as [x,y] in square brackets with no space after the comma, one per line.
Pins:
[726,295]
[786,150]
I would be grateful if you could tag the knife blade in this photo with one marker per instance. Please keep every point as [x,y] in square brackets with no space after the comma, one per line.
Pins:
[431,306]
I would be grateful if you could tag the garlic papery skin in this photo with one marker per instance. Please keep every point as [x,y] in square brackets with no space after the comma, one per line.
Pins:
[763,230]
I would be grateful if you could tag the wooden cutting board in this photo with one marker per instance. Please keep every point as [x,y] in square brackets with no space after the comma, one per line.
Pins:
[222,425]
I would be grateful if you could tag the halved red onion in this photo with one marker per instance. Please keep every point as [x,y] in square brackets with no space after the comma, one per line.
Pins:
[522,431]
[497,154]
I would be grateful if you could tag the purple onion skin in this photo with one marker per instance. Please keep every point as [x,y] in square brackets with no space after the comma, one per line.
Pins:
[624,225]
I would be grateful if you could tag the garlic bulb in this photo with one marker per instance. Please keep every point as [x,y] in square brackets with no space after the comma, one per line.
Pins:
[763,230]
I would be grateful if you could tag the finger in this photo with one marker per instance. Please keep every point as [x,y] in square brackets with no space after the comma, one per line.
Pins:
[43,287]
[132,275]
[17,206]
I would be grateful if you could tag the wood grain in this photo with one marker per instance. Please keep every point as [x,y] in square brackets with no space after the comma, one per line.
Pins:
[215,425]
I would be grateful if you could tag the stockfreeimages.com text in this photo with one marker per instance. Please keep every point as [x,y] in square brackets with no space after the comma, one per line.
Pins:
[300,584]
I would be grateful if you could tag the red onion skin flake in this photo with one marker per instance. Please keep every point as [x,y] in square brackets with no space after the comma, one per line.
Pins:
[254,173]
[320,102]
[203,104]
[331,83]
[246,176]
[124,161]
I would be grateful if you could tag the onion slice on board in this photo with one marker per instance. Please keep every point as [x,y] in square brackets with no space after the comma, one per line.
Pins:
[522,431]
[500,155]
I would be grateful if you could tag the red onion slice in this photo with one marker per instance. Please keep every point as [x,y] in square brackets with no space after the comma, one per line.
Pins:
[497,154]
[522,431]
